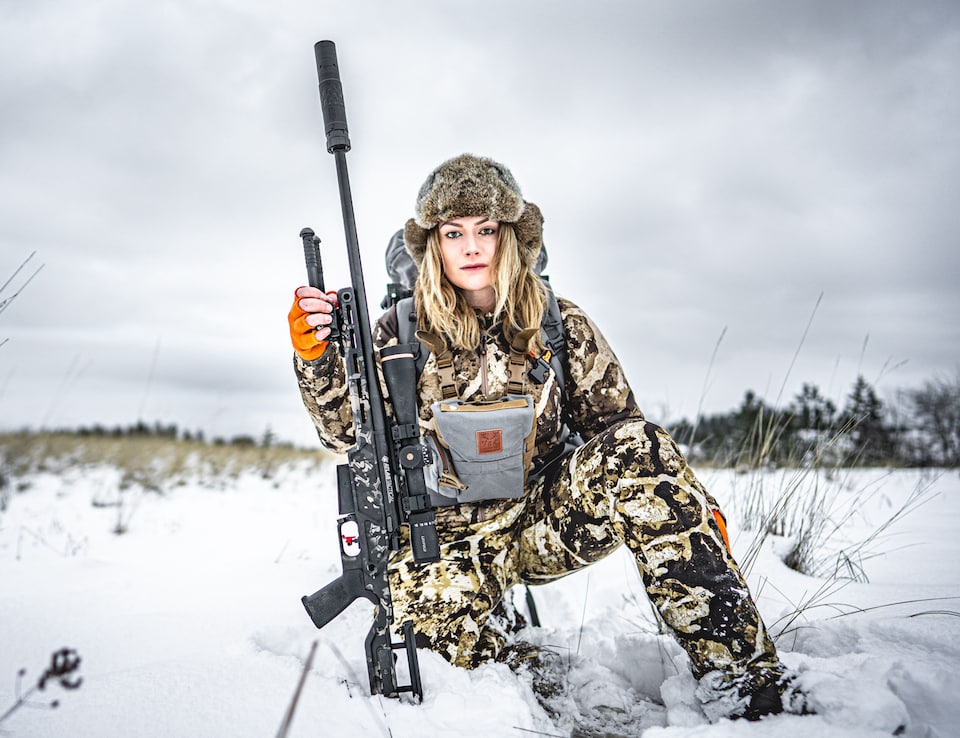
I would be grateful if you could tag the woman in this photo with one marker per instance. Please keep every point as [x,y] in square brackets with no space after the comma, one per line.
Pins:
[480,305]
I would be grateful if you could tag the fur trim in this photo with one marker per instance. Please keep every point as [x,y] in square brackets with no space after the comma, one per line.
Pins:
[473,185]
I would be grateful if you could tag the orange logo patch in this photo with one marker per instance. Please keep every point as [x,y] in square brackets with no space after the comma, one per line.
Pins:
[490,441]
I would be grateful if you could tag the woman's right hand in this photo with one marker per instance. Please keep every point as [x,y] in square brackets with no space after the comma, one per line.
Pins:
[310,317]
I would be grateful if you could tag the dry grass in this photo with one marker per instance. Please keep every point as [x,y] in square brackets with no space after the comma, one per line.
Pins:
[144,465]
[811,507]
[808,497]
[155,464]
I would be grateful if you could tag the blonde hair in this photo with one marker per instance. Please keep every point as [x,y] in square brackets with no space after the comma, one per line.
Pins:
[519,295]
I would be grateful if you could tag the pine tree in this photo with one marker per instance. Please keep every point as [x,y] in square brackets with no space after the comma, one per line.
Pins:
[811,426]
[863,419]
[811,410]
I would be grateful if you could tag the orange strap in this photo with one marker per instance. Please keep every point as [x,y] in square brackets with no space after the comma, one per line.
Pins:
[302,334]
[722,524]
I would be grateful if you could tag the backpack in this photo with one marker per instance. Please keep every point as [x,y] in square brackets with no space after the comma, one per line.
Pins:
[403,274]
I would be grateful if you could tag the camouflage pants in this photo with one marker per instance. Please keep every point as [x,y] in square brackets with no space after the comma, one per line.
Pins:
[629,485]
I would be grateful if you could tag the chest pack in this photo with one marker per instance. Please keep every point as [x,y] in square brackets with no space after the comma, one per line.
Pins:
[484,450]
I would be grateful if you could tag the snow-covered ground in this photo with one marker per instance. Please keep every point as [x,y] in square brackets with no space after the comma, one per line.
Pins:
[190,624]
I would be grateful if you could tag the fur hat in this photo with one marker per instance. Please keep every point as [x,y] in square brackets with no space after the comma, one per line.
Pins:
[473,185]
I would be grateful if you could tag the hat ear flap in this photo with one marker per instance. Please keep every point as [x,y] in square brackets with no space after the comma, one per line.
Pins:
[415,239]
[529,228]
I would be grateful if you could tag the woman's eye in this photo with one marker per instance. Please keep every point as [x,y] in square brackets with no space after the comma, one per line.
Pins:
[488,231]
[452,234]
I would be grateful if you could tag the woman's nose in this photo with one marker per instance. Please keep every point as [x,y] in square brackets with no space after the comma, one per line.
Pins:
[470,244]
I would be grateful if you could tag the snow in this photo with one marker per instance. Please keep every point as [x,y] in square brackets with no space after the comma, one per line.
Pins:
[190,623]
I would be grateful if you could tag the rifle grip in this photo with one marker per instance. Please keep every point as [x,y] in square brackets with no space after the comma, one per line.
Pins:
[326,603]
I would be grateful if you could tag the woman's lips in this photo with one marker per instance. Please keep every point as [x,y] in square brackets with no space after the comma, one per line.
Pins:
[473,267]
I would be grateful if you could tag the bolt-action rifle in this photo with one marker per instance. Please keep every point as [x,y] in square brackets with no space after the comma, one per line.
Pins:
[381,487]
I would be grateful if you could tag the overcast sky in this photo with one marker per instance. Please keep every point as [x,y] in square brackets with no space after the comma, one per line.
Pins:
[705,169]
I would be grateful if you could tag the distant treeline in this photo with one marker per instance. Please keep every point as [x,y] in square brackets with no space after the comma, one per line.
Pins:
[171,431]
[919,427]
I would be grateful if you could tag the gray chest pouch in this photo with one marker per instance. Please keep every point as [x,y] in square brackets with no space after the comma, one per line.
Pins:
[481,451]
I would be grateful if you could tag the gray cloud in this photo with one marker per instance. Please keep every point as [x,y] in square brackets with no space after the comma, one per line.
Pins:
[701,166]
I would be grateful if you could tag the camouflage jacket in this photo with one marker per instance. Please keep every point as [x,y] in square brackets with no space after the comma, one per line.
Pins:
[596,395]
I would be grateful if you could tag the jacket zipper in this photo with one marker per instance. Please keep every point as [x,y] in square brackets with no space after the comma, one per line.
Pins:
[483,366]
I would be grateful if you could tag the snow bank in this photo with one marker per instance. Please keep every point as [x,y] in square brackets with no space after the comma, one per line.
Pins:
[190,624]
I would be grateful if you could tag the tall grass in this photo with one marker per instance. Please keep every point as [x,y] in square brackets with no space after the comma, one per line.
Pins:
[813,509]
[810,500]
[793,492]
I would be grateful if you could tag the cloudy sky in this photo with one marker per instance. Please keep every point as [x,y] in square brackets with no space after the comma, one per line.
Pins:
[707,170]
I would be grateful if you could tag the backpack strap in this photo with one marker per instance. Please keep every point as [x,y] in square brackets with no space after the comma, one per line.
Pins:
[554,336]
[407,331]
[448,387]
[517,367]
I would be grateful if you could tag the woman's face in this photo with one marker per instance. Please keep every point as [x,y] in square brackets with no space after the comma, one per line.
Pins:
[467,246]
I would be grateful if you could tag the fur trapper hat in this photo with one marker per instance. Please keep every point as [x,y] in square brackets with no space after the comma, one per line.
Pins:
[473,185]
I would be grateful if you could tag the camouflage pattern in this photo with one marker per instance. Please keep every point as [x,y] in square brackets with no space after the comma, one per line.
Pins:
[323,386]
[627,485]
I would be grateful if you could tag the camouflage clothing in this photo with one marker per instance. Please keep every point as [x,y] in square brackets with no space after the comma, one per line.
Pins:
[596,396]
[628,484]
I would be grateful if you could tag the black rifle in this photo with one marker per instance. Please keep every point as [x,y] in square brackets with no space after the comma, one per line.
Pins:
[381,487]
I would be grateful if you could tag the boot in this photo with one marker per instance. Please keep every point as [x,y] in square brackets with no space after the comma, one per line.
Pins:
[751,696]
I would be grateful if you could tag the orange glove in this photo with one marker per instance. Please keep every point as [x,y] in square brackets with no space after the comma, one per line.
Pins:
[302,334]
